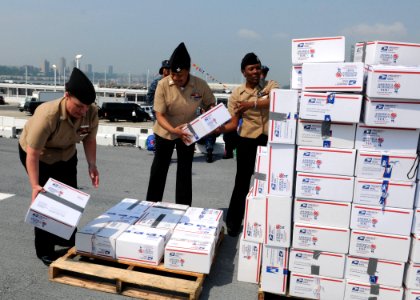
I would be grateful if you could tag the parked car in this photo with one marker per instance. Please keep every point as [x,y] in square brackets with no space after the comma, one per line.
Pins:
[124,111]
[2,102]
[149,110]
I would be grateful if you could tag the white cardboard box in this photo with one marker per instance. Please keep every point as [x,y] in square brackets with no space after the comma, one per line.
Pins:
[392,113]
[417,195]
[333,77]
[161,218]
[274,269]
[325,160]
[330,107]
[249,261]
[379,245]
[384,192]
[132,207]
[375,271]
[317,133]
[319,212]
[199,227]
[204,214]
[207,122]
[57,210]
[392,53]
[386,139]
[359,51]
[322,238]
[278,227]
[412,276]
[318,49]
[254,219]
[411,294]
[189,255]
[362,291]
[317,263]
[415,248]
[384,165]
[383,220]
[142,244]
[416,221]
[281,168]
[283,116]
[260,185]
[296,77]
[316,287]
[170,205]
[397,82]
[324,187]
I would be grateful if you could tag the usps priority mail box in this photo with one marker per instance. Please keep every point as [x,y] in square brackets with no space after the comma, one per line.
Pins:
[254,219]
[249,261]
[318,49]
[274,269]
[325,160]
[412,276]
[386,193]
[333,77]
[260,185]
[392,113]
[357,290]
[330,107]
[278,219]
[322,238]
[129,206]
[319,212]
[359,51]
[207,122]
[281,167]
[415,248]
[317,263]
[325,134]
[416,221]
[376,271]
[384,220]
[388,165]
[379,245]
[324,187]
[316,287]
[296,77]
[85,235]
[392,53]
[396,82]
[57,210]
[386,139]
[410,294]
[283,116]
[142,244]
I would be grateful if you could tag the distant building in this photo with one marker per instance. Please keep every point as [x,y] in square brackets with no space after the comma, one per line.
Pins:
[45,67]
[62,65]
[110,71]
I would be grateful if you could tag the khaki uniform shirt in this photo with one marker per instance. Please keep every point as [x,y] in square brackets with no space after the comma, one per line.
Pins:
[52,131]
[255,121]
[180,104]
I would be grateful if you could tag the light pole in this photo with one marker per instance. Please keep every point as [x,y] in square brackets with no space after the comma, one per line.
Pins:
[55,77]
[78,57]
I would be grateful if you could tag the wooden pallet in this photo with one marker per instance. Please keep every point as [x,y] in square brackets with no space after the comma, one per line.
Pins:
[126,278]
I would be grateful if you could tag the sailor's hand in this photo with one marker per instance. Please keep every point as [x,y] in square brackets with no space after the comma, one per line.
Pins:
[35,191]
[183,135]
[94,175]
[243,106]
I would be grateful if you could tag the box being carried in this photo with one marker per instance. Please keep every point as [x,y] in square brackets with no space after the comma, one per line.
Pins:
[207,122]
[392,113]
[375,271]
[396,82]
[319,49]
[333,77]
[283,116]
[330,107]
[392,53]
[317,263]
[57,210]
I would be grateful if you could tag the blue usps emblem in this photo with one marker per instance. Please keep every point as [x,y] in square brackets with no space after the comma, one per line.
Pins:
[382,77]
[380,106]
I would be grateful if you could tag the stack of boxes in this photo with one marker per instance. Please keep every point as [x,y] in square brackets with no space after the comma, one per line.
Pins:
[144,232]
[329,110]
[384,192]
[266,237]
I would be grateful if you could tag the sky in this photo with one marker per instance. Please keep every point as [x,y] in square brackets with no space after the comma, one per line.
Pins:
[134,36]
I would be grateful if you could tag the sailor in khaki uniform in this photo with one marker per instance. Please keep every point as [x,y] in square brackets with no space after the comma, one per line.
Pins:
[47,147]
[178,97]
[249,102]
